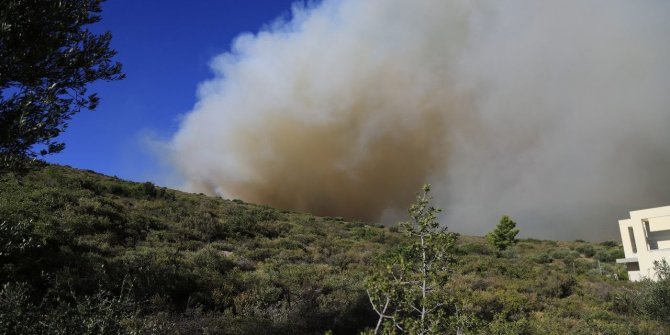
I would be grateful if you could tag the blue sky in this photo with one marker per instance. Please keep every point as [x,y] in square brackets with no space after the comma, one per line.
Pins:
[165,48]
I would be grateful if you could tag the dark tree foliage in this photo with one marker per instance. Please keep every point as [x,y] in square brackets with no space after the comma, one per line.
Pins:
[48,56]
[655,295]
[504,235]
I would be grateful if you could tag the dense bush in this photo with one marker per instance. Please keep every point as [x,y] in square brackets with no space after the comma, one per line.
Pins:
[608,255]
[655,295]
[587,250]
[99,313]
[543,258]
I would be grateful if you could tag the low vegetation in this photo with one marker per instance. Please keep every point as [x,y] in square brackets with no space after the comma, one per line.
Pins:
[83,253]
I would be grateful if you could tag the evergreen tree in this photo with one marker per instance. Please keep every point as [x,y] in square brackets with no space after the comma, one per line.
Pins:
[47,59]
[504,235]
[407,293]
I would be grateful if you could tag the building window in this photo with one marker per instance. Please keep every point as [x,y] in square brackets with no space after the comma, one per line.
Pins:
[632,239]
[633,266]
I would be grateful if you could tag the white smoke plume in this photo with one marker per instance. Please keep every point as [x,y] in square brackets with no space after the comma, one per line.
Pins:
[555,112]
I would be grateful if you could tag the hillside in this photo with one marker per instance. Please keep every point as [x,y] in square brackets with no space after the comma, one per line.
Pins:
[85,253]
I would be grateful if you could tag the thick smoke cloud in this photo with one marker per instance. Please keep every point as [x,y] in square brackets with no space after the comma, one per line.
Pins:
[554,112]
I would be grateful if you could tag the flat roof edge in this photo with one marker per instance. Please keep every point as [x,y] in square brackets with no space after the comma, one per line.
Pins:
[626,260]
[639,211]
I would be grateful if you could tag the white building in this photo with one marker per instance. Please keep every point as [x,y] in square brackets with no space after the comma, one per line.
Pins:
[646,238]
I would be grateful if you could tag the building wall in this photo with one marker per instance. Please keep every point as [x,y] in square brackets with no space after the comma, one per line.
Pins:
[661,238]
[651,235]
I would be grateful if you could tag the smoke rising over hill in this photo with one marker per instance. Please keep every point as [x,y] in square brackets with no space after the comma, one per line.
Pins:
[554,112]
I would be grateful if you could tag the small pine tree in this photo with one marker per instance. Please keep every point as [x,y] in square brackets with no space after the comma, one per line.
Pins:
[504,235]
[407,292]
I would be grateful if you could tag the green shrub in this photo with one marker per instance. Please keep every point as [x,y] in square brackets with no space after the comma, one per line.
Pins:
[120,189]
[608,256]
[148,189]
[617,253]
[514,270]
[16,238]
[562,253]
[625,301]
[655,296]
[556,285]
[587,250]
[543,258]
[100,313]
[95,187]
